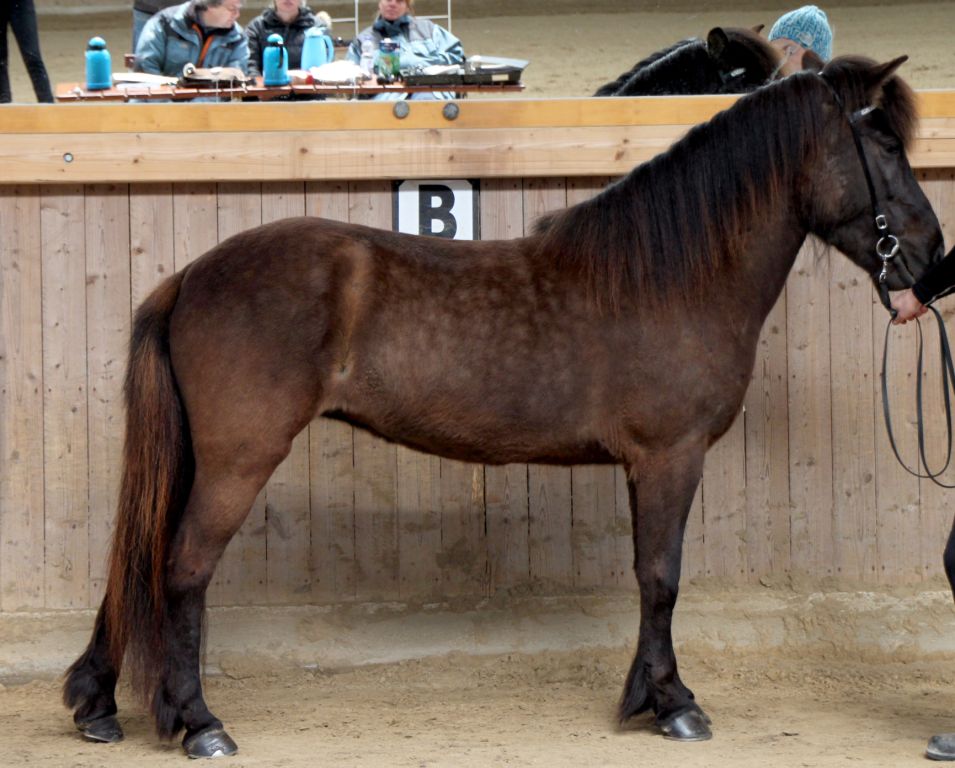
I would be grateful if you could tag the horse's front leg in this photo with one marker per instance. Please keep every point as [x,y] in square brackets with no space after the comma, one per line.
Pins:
[661,492]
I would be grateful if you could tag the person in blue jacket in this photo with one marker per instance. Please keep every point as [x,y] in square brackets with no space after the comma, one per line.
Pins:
[202,32]
[420,41]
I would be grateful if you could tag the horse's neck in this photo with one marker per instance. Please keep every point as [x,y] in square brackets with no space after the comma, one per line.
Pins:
[682,71]
[751,286]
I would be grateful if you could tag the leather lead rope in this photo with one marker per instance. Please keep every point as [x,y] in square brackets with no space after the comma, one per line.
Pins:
[948,383]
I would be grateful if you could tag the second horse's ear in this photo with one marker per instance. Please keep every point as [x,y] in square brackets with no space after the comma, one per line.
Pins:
[716,42]
[812,61]
[759,28]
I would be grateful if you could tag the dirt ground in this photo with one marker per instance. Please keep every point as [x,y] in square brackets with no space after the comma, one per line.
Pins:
[553,709]
[571,54]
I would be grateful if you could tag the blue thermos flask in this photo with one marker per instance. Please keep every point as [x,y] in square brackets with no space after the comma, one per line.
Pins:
[99,70]
[318,48]
[275,61]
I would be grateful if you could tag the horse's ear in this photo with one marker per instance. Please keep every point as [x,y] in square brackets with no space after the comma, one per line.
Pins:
[812,61]
[882,72]
[759,28]
[716,42]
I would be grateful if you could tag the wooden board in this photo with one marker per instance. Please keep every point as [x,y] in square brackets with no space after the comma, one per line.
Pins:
[854,399]
[65,436]
[22,532]
[766,414]
[107,339]
[810,409]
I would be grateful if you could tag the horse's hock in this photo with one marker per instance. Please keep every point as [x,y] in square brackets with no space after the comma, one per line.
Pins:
[805,532]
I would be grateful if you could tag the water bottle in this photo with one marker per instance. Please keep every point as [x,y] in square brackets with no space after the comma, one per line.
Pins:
[275,62]
[99,70]
[367,63]
[389,60]
[317,49]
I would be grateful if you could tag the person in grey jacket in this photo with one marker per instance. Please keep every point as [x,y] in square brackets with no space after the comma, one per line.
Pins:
[420,42]
[143,11]
[289,18]
[201,32]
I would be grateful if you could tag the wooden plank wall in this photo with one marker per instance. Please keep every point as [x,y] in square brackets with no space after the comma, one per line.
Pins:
[802,484]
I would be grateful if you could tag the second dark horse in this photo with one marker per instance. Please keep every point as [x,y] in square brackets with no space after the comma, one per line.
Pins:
[730,60]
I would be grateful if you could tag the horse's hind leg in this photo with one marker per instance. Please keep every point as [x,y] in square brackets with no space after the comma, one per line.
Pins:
[219,501]
[661,492]
[90,687]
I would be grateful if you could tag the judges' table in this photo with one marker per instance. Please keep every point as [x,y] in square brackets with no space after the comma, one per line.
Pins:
[67,92]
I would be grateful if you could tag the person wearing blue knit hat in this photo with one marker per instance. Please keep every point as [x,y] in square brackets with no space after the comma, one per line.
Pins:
[801,30]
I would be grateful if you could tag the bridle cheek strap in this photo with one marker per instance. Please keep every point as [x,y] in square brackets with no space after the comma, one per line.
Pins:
[887,244]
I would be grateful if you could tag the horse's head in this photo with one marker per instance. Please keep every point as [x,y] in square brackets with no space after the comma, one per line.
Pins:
[744,59]
[869,119]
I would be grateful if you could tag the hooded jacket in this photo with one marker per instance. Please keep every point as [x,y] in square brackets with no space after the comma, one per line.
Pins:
[268,23]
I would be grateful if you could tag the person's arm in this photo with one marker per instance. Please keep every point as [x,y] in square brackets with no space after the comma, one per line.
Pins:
[448,48]
[151,48]
[937,280]
[354,51]
[254,67]
[240,55]
[910,303]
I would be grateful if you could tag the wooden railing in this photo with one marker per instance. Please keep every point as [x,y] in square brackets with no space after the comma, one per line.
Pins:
[101,202]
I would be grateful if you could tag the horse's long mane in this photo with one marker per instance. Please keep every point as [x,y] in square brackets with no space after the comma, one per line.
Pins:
[611,88]
[664,229]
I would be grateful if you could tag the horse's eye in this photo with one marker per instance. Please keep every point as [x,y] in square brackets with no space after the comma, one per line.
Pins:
[893,146]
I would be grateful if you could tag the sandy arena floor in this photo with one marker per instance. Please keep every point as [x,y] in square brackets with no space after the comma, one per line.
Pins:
[551,709]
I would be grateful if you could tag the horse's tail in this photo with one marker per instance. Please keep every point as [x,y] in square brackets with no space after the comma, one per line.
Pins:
[157,475]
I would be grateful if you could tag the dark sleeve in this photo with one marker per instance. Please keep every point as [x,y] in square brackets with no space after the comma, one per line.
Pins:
[938,280]
[252,33]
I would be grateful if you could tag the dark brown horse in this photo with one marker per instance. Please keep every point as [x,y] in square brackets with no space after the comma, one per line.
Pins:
[623,330]
[730,60]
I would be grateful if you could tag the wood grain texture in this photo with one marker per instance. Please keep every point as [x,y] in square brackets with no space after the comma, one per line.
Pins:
[22,489]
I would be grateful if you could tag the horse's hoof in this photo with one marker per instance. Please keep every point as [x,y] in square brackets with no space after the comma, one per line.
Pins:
[106,729]
[941,747]
[689,725]
[212,742]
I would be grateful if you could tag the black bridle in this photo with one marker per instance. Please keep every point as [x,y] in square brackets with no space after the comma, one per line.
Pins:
[887,249]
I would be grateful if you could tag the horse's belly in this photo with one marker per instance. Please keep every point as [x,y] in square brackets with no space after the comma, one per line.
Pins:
[476,436]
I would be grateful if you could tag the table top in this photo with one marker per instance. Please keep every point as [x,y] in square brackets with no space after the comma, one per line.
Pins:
[67,92]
